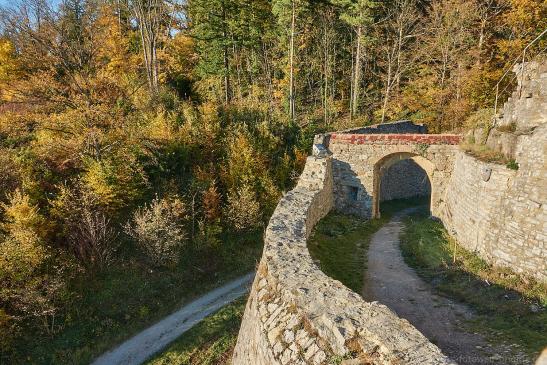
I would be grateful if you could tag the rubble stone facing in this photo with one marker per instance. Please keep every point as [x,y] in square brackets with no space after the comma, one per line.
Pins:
[295,314]
[524,111]
[400,126]
[405,179]
[527,106]
[501,213]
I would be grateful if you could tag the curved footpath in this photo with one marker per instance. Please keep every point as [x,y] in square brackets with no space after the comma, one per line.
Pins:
[141,347]
[390,281]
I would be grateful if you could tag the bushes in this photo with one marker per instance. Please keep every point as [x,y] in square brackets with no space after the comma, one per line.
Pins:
[22,251]
[86,227]
[159,230]
[243,211]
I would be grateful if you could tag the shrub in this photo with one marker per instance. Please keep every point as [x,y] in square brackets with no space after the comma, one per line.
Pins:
[159,230]
[512,164]
[211,203]
[243,211]
[86,228]
[207,236]
[22,251]
[115,182]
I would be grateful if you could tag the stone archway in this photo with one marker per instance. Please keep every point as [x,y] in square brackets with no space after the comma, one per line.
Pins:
[389,160]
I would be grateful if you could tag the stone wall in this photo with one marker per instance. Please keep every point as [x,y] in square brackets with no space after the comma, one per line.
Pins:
[405,179]
[501,213]
[295,314]
[527,106]
[524,111]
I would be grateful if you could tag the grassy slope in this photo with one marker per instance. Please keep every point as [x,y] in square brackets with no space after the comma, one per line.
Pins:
[122,301]
[209,342]
[510,307]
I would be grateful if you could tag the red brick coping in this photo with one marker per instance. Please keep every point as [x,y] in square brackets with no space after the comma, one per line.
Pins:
[395,138]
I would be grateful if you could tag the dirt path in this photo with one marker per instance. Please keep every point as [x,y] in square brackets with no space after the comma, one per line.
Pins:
[389,280]
[141,347]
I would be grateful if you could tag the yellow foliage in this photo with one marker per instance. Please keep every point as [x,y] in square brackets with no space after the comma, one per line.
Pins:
[22,252]
[8,61]
[243,162]
[9,65]
[115,183]
[22,219]
[113,45]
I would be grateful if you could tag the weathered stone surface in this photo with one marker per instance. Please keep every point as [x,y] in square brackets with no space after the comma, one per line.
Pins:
[360,161]
[398,127]
[405,179]
[503,219]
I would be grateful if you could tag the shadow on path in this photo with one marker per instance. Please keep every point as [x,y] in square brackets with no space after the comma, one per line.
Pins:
[390,281]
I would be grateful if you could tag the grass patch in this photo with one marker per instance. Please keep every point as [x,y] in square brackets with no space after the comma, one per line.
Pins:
[507,128]
[484,153]
[118,303]
[511,308]
[340,242]
[209,342]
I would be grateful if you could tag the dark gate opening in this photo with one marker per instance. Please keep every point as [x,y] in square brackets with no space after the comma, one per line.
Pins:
[405,179]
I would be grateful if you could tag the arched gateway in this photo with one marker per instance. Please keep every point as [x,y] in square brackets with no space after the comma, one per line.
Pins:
[385,164]
[359,161]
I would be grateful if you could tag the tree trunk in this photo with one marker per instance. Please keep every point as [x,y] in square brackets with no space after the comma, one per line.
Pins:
[225,57]
[388,89]
[291,61]
[357,74]
[326,75]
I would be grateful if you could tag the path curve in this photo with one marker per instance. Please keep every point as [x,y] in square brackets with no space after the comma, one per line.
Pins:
[141,347]
[392,282]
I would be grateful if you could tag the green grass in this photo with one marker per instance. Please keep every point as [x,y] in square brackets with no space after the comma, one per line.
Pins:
[114,305]
[209,342]
[340,242]
[510,308]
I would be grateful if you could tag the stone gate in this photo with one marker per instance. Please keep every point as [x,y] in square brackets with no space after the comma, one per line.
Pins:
[360,160]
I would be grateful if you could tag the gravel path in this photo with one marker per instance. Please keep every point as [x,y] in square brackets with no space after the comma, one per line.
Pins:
[391,281]
[150,341]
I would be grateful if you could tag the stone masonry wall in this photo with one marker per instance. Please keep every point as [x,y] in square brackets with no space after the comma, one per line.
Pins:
[501,213]
[405,179]
[524,111]
[295,314]
[359,161]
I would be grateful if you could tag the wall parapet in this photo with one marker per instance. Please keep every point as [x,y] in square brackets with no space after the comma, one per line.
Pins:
[296,314]
[450,139]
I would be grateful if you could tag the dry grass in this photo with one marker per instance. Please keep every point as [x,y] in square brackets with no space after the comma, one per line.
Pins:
[507,128]
[484,153]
